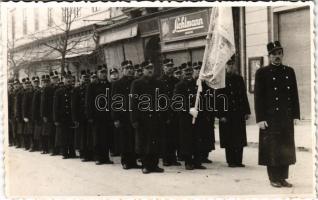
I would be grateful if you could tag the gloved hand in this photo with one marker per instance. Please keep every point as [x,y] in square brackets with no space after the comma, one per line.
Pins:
[223,119]
[262,125]
[117,124]
[135,125]
[194,112]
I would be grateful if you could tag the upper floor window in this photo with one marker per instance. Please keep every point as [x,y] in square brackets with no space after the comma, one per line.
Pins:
[50,17]
[95,9]
[36,19]
[24,15]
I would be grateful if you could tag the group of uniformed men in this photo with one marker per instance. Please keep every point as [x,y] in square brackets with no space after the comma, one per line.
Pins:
[60,117]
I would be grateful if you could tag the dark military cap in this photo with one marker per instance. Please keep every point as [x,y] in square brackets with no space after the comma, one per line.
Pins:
[146,64]
[186,66]
[177,69]
[183,65]
[102,68]
[113,70]
[35,79]
[231,60]
[67,74]
[85,73]
[273,46]
[168,61]
[45,77]
[16,81]
[10,81]
[94,74]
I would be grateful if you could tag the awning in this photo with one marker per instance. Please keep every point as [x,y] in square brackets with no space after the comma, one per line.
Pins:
[73,55]
[118,34]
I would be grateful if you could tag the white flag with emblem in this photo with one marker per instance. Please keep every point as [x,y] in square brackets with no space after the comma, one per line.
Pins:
[219,48]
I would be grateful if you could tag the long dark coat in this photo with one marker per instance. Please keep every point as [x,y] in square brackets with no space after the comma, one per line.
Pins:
[62,114]
[124,136]
[18,112]
[233,131]
[100,114]
[36,114]
[27,111]
[192,137]
[148,133]
[277,103]
[11,114]
[46,110]
[170,132]
[79,115]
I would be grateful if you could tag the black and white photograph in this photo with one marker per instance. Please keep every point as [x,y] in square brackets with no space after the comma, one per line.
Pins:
[158,99]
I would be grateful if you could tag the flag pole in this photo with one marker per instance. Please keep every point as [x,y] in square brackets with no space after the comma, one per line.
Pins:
[199,81]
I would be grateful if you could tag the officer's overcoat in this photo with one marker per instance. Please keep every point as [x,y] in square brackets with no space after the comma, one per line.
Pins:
[27,110]
[36,114]
[18,111]
[233,131]
[46,110]
[276,102]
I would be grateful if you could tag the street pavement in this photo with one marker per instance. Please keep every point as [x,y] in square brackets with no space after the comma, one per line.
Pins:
[34,174]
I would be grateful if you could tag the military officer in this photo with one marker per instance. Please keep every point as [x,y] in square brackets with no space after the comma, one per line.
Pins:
[16,113]
[146,120]
[177,72]
[232,125]
[26,113]
[46,112]
[207,126]
[170,129]
[190,136]
[62,117]
[54,145]
[120,113]
[10,110]
[93,77]
[276,109]
[35,113]
[98,114]
[113,75]
[138,71]
[80,118]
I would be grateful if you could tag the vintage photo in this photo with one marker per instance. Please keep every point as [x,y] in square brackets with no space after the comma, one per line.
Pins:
[159,99]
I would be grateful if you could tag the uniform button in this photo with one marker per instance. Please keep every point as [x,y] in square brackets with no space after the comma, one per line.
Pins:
[288,87]
[277,108]
[153,142]
[288,98]
[276,98]
[230,84]
[274,78]
[275,88]
[286,77]
[231,92]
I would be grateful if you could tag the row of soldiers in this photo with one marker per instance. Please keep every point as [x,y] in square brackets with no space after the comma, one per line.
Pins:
[62,117]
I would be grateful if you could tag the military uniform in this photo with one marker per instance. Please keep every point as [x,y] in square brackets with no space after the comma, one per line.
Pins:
[170,131]
[62,114]
[10,113]
[36,117]
[100,117]
[233,130]
[82,140]
[125,132]
[149,122]
[18,117]
[26,114]
[276,102]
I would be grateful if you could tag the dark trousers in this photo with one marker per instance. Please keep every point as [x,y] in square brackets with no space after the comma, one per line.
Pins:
[234,155]
[68,140]
[27,141]
[276,173]
[195,159]
[170,144]
[150,161]
[128,159]
[102,141]
[45,143]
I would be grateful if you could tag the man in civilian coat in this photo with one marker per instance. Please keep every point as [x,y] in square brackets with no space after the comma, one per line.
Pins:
[170,129]
[80,118]
[62,117]
[35,114]
[232,126]
[26,113]
[146,120]
[190,135]
[121,116]
[97,104]
[276,109]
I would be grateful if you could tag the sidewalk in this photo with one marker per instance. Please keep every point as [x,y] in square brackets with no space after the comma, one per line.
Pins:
[304,135]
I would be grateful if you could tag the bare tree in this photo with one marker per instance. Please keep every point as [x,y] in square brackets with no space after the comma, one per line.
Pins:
[63,40]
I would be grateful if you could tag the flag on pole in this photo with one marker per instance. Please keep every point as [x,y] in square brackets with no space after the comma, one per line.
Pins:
[219,48]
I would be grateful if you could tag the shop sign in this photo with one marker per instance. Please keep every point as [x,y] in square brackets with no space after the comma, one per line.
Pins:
[184,26]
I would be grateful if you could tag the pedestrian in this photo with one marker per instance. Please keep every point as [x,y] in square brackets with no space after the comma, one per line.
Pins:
[35,114]
[124,132]
[17,113]
[80,118]
[98,114]
[26,113]
[232,125]
[56,82]
[190,135]
[138,71]
[62,117]
[276,109]
[170,123]
[146,120]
